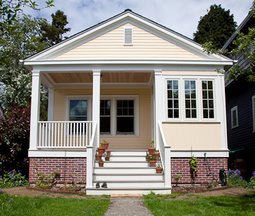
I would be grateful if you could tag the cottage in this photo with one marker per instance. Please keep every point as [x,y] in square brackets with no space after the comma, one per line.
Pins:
[128,80]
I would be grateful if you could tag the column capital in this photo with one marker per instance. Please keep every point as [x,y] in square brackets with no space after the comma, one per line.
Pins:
[96,72]
[157,71]
[35,72]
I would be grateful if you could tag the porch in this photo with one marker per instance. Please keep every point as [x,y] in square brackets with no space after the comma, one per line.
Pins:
[69,133]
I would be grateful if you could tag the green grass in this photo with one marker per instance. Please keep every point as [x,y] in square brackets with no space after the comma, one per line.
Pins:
[196,206]
[27,206]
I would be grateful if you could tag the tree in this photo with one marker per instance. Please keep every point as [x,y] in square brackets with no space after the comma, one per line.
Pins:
[215,27]
[53,33]
[11,9]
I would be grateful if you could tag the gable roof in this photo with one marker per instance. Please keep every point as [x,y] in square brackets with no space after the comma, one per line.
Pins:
[35,59]
[239,29]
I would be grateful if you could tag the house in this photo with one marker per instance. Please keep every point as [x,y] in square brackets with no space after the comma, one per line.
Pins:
[128,80]
[240,103]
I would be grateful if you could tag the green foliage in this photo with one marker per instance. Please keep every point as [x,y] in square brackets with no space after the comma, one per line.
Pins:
[11,10]
[53,33]
[14,138]
[193,164]
[251,183]
[235,178]
[152,157]
[210,206]
[46,181]
[13,179]
[215,27]
[41,206]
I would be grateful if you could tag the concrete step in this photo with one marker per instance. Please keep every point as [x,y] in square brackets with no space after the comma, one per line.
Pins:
[124,170]
[132,184]
[127,191]
[128,153]
[134,164]
[127,158]
[128,177]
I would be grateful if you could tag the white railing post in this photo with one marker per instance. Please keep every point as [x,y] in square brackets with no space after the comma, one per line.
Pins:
[96,102]
[89,171]
[35,110]
[167,167]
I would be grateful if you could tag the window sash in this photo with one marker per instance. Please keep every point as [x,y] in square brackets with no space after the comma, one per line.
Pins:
[190,98]
[173,99]
[234,117]
[208,99]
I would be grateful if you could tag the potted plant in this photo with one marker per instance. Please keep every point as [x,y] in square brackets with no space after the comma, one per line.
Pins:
[159,169]
[108,154]
[101,163]
[104,144]
[152,160]
[177,178]
[152,149]
[98,157]
[157,154]
[100,150]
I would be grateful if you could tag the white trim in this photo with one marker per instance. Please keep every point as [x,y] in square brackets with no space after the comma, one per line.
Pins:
[57,153]
[253,112]
[234,109]
[200,153]
[131,61]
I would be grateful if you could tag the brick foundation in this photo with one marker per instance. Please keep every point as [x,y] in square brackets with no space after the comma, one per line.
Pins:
[206,169]
[72,170]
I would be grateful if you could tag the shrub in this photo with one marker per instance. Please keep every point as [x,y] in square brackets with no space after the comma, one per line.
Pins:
[45,181]
[235,178]
[251,184]
[13,179]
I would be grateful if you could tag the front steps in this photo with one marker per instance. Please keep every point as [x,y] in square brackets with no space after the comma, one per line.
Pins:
[127,172]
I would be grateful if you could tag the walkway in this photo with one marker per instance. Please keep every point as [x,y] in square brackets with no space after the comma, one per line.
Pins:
[127,207]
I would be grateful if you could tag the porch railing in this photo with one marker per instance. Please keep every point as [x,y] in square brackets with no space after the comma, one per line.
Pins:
[64,134]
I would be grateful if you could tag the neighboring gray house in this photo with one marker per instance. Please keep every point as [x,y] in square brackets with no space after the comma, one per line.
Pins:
[240,107]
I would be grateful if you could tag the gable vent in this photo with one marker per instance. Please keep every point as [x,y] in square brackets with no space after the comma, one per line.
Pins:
[128,36]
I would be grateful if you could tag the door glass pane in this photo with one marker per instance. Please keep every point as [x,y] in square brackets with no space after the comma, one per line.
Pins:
[105,116]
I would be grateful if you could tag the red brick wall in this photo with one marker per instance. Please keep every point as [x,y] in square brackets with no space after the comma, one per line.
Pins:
[212,165]
[72,170]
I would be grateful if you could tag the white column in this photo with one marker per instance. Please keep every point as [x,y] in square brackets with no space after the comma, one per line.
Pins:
[96,102]
[50,103]
[35,109]
[159,104]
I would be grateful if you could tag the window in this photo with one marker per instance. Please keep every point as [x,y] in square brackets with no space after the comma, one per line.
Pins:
[125,117]
[105,116]
[207,97]
[173,99]
[234,117]
[128,36]
[190,99]
[78,110]
[253,112]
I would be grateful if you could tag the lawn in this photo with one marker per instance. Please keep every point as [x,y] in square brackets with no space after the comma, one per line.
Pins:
[209,206]
[30,206]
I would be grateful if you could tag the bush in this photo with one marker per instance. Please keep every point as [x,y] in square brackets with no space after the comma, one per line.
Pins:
[13,179]
[235,178]
[251,183]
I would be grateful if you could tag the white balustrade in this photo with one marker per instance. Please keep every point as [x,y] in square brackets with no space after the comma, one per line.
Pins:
[64,134]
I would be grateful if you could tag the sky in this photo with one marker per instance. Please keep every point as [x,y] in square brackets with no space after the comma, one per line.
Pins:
[179,15]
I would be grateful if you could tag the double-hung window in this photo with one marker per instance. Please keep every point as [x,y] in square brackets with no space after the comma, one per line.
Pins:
[234,117]
[190,99]
[105,116]
[78,110]
[173,98]
[208,99]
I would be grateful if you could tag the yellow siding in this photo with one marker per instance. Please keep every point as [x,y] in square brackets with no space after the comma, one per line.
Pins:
[116,142]
[146,45]
[198,136]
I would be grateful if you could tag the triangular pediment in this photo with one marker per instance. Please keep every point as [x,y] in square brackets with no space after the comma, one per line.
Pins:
[106,42]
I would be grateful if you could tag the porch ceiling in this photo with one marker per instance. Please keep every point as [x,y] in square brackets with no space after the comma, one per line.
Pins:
[107,77]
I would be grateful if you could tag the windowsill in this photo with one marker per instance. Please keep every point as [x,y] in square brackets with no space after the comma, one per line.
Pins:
[235,127]
[128,44]
[118,135]
[192,121]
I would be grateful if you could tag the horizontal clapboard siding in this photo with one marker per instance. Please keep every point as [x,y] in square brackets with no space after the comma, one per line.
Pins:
[145,45]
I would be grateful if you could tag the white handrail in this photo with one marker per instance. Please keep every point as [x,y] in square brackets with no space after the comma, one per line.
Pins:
[165,153]
[64,134]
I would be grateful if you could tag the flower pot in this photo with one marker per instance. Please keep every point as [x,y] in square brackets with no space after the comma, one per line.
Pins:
[151,151]
[98,157]
[157,154]
[107,158]
[101,163]
[108,153]
[159,169]
[100,151]
[152,163]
